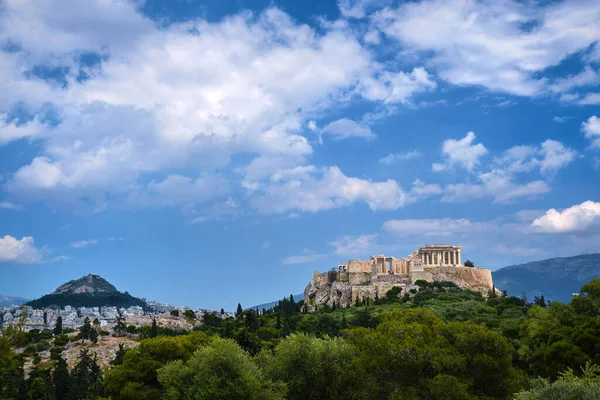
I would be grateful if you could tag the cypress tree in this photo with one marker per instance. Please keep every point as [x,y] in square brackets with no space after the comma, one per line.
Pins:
[58,328]
[239,310]
[154,331]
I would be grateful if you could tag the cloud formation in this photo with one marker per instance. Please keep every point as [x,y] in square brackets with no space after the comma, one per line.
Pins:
[23,251]
[591,128]
[584,217]
[346,128]
[462,153]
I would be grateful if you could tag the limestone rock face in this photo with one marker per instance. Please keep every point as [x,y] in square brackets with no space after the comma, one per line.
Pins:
[344,288]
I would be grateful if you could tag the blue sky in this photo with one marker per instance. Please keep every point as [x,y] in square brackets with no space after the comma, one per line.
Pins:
[209,153]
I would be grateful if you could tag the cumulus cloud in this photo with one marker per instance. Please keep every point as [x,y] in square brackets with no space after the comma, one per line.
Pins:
[501,179]
[308,256]
[434,227]
[354,245]
[13,250]
[582,217]
[346,128]
[311,189]
[591,128]
[82,244]
[396,87]
[394,158]
[463,153]
[503,45]
[153,102]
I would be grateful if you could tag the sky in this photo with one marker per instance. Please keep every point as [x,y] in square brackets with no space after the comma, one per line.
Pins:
[216,152]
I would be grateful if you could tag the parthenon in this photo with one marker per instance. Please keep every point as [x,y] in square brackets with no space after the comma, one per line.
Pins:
[377,275]
[438,255]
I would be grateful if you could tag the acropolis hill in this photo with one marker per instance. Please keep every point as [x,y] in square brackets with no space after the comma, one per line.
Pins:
[374,277]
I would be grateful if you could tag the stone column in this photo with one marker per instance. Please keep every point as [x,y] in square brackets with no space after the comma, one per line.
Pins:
[458,252]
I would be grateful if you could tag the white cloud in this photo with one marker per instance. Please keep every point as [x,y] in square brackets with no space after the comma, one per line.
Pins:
[346,128]
[21,251]
[82,244]
[578,218]
[9,206]
[591,128]
[115,239]
[308,189]
[354,245]
[462,153]
[266,245]
[308,257]
[59,259]
[397,157]
[396,87]
[156,103]
[488,43]
[589,99]
[589,76]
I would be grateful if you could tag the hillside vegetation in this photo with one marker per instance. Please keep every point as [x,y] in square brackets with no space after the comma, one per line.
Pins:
[438,342]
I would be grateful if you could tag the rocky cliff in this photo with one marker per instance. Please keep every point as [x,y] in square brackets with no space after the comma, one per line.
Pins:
[343,288]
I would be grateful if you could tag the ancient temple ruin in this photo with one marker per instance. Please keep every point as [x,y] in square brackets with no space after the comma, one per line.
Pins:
[374,277]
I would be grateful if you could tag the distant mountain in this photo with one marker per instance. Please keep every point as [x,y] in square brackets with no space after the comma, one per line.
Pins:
[556,278]
[6,301]
[266,306]
[88,291]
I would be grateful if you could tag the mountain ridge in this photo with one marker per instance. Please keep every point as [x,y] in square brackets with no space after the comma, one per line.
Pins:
[555,278]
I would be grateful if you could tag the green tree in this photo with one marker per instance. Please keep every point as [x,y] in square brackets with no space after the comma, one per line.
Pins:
[58,327]
[62,380]
[239,310]
[136,377]
[175,313]
[314,368]
[221,370]
[85,330]
[469,264]
[154,329]
[190,315]
[37,390]
[393,293]
[567,387]
[87,377]
[587,303]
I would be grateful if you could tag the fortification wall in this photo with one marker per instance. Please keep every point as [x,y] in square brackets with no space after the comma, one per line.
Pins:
[359,266]
[359,278]
[465,277]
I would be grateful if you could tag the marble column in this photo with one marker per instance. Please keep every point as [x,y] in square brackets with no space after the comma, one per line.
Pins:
[458,252]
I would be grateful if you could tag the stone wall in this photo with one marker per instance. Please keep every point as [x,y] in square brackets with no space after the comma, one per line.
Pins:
[362,278]
[465,277]
[359,266]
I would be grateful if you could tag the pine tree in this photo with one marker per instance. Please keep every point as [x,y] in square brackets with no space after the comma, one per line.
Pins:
[222,311]
[239,310]
[154,330]
[85,330]
[58,329]
[120,326]
[344,321]
[62,380]
[37,390]
[119,355]
[292,299]
[87,377]
[94,335]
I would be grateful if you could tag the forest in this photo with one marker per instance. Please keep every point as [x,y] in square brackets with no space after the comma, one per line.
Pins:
[439,342]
